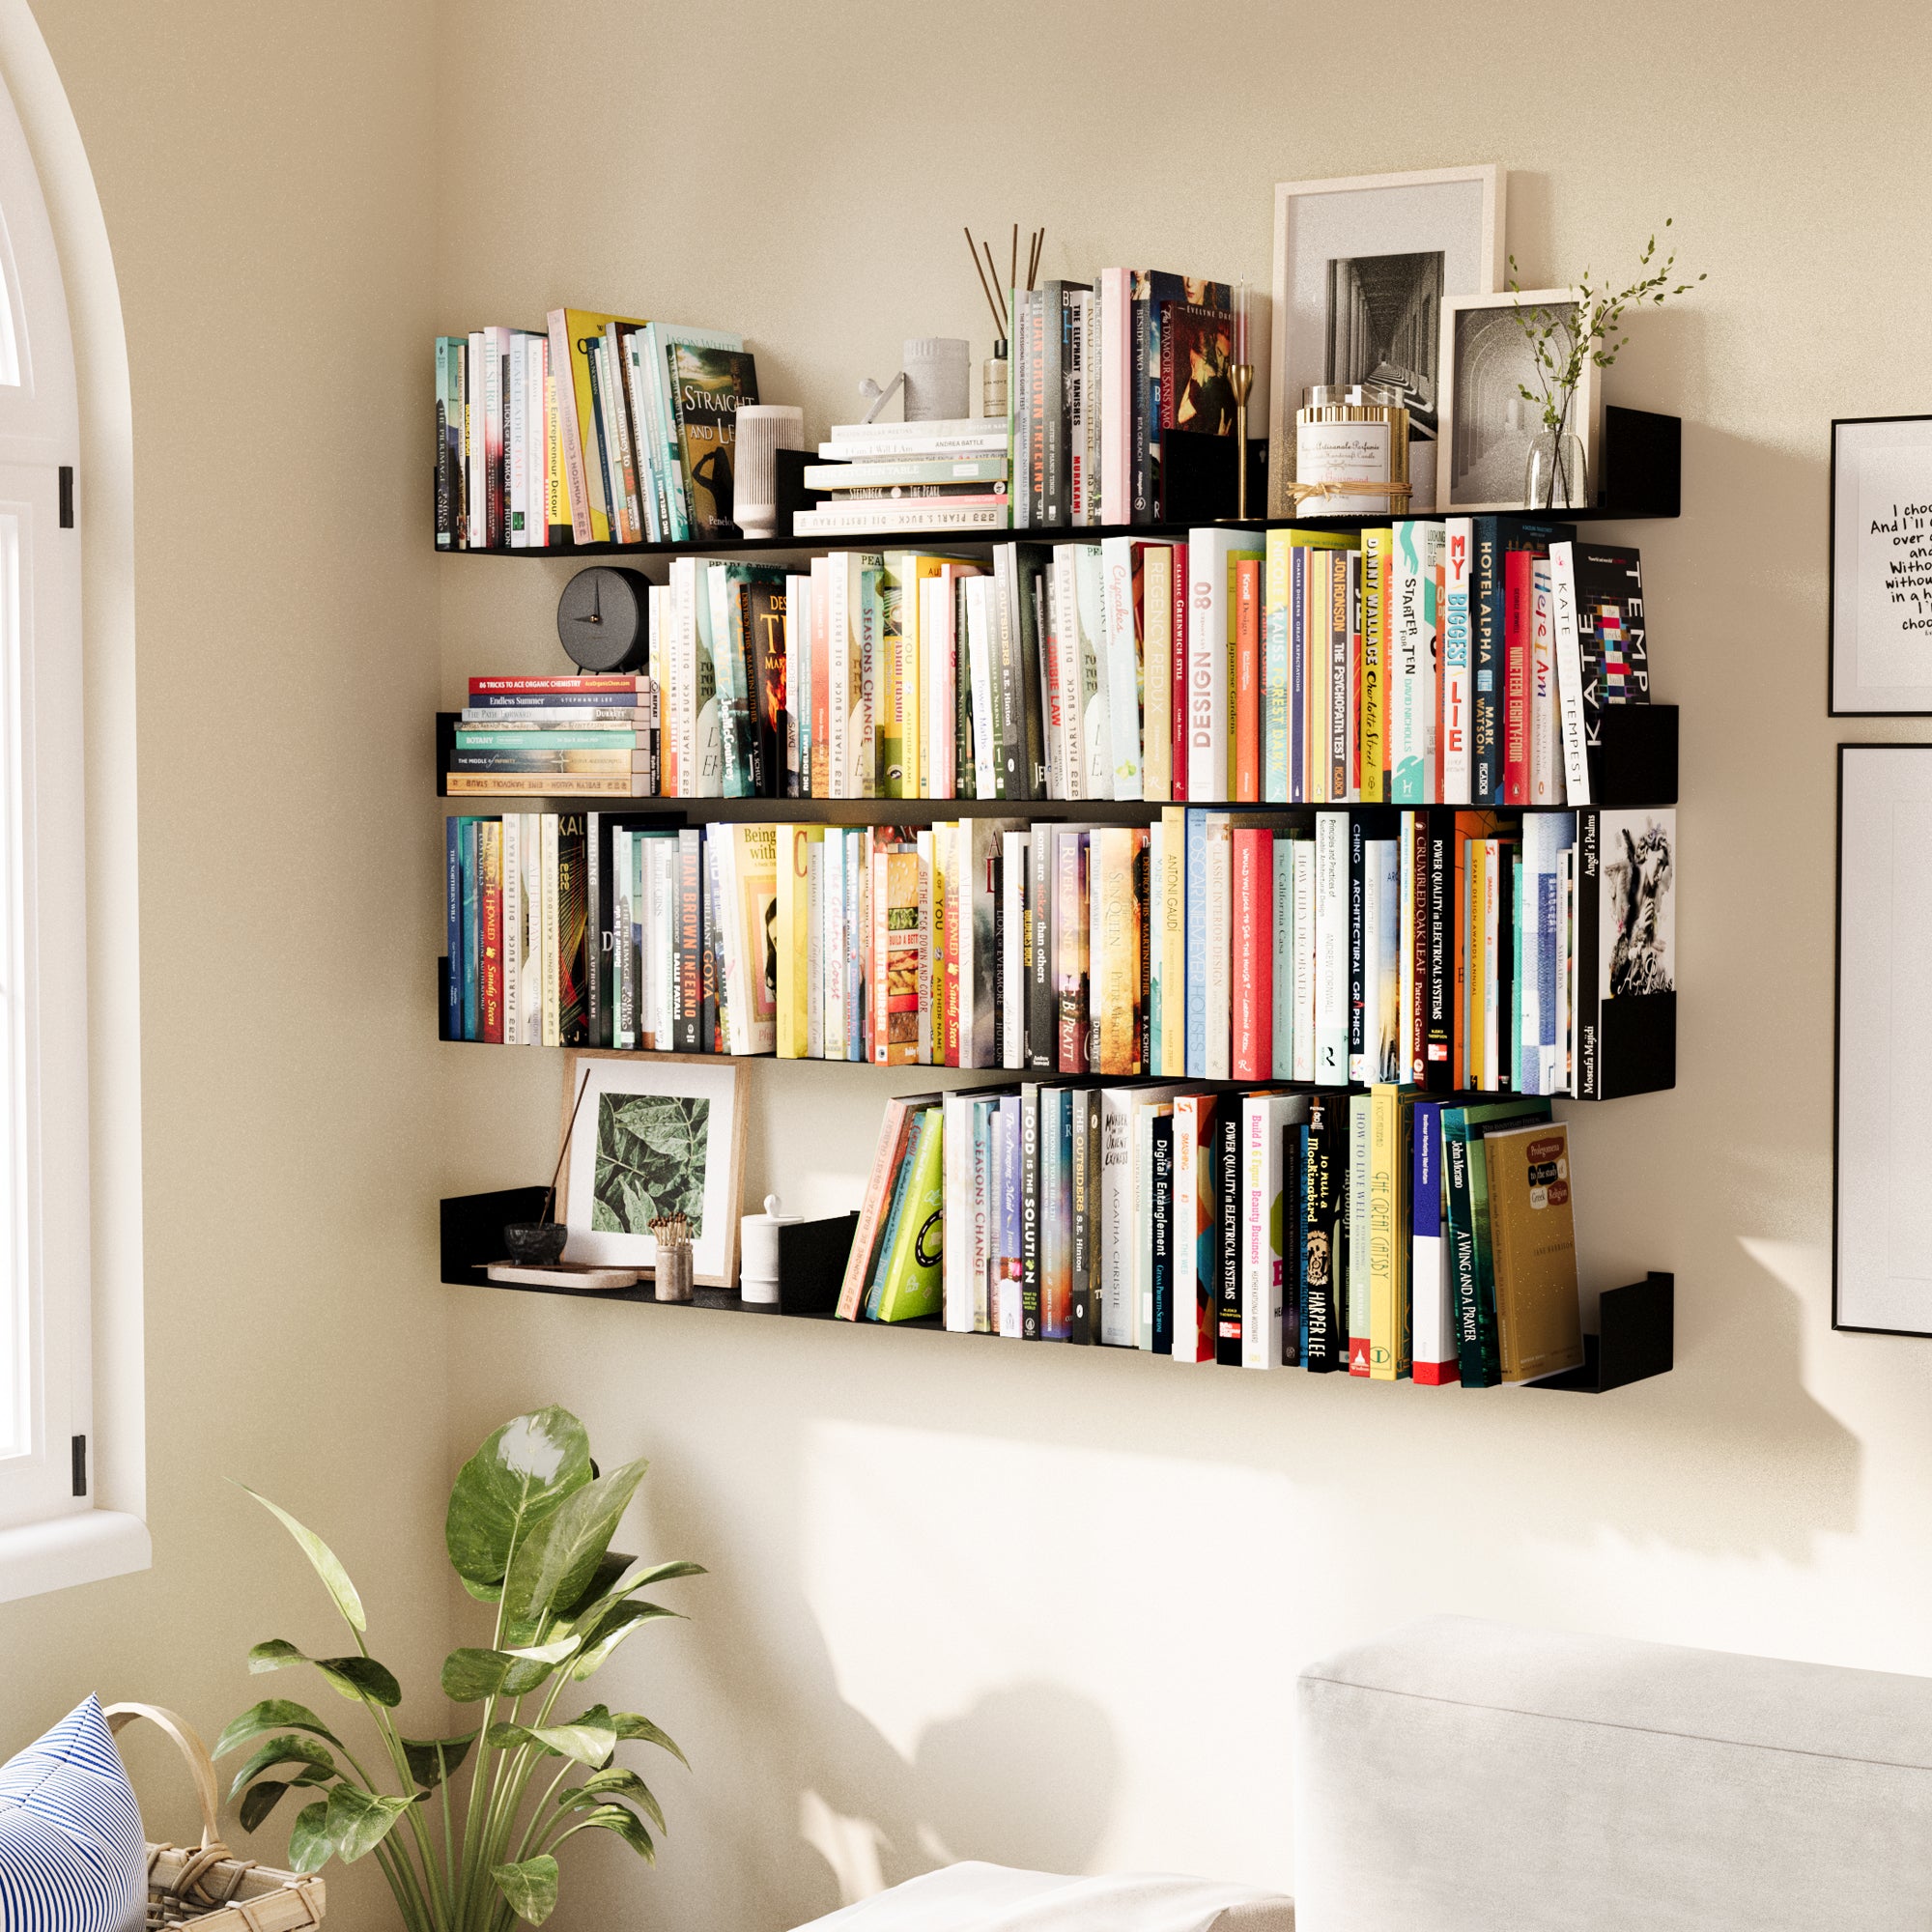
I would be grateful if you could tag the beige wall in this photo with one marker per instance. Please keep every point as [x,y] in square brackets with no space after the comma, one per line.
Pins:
[1022,1605]
[264,172]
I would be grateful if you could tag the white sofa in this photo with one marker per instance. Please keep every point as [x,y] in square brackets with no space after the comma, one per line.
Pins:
[1466,1776]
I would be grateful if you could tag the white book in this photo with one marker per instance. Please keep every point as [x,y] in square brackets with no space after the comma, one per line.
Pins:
[630,473]
[839,680]
[1116,1300]
[1491,849]
[1066,764]
[921,778]
[1331,949]
[678,707]
[1265,1220]
[956,1267]
[1305,940]
[1012,950]
[1112,298]
[1210,639]
[1382,1028]
[1435,1348]
[1156,860]
[1122,631]
[1575,721]
[1095,686]
[529,975]
[1456,719]
[622,996]
[980,620]
[1218,967]
[886,516]
[968,436]
[1184,1240]
[1418,553]
[1546,711]
[647,445]
[814,950]
[537,348]
[516,492]
[547,934]
[1360,1063]
[475,470]
[513,923]
[1282,959]
[663,908]
[863,654]
[835,944]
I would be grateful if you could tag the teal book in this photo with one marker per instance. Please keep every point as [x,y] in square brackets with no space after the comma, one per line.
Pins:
[1471,1268]
[706,388]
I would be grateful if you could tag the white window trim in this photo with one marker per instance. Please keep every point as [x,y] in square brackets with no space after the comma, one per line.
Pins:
[110,1536]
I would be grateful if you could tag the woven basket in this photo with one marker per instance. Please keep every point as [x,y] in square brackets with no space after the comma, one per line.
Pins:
[209,1887]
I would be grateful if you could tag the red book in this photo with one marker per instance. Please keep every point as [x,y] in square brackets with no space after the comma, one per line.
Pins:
[1517,564]
[822,680]
[489,910]
[1253,1029]
[1177,671]
[1441,682]
[1248,683]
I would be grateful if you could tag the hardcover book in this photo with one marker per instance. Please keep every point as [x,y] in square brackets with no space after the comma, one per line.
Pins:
[1538,1323]
[707,387]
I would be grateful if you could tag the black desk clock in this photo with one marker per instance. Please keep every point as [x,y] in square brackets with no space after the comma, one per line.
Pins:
[603,619]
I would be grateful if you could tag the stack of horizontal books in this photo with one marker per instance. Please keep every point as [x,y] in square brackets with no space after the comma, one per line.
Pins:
[910,477]
[575,737]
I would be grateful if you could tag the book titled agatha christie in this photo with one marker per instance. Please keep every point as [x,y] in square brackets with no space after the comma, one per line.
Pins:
[707,387]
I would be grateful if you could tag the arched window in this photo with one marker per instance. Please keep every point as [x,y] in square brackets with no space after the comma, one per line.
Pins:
[52,1529]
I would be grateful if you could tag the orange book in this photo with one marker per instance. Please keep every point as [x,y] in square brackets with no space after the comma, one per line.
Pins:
[1248,680]
[1471,827]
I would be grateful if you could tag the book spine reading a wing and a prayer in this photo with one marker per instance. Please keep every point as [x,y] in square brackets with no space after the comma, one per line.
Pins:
[1455,951]
[594,429]
[1381,1235]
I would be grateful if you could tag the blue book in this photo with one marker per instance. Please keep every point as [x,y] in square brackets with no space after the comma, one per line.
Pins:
[472,935]
[1197,944]
[452,836]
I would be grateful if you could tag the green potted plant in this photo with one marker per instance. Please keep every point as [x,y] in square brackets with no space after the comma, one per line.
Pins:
[1561,339]
[466,1828]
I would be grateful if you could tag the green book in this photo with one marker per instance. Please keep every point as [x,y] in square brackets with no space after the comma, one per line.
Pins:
[908,1284]
[1466,1181]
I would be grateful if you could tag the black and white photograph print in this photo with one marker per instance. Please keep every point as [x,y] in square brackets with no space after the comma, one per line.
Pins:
[1362,266]
[1385,327]
[1639,905]
[1488,425]
[654,1137]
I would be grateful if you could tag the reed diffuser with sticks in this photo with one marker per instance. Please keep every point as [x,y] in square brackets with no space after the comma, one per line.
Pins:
[993,390]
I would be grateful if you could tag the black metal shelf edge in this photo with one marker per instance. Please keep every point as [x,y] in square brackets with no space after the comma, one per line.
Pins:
[924,810]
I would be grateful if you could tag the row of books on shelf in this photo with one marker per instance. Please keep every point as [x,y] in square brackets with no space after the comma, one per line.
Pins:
[1453,950]
[594,429]
[1389,1233]
[1458,662]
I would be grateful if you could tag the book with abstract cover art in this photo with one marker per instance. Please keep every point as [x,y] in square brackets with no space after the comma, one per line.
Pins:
[896,945]
[1625,988]
[1154,296]
[707,387]
[573,906]
[1611,625]
[1197,346]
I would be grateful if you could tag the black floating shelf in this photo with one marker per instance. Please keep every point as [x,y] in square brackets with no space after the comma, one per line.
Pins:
[1639,469]
[1637,1321]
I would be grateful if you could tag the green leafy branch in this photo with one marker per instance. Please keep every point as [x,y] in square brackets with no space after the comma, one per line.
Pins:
[529,1530]
[1562,339]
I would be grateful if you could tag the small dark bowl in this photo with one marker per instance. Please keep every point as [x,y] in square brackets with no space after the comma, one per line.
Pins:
[534,1243]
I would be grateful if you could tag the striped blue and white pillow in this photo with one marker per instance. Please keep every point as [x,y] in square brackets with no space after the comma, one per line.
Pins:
[72,1857]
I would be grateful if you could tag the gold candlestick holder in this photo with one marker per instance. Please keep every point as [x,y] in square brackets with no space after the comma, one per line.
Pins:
[1240,379]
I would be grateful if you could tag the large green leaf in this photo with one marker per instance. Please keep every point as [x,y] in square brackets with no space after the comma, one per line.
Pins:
[561,1555]
[511,1484]
[433,1759]
[272,1714]
[617,1782]
[583,1743]
[469,1676]
[358,1820]
[611,1631]
[534,1662]
[595,1606]
[288,1750]
[309,1846]
[334,1578]
[530,1888]
[627,1825]
[629,1725]
[604,1580]
[354,1677]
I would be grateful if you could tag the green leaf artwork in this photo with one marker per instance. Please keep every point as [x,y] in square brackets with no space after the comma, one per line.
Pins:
[528,1534]
[651,1155]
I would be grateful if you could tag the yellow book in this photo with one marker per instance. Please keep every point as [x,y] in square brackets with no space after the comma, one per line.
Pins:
[1114,944]
[1172,909]
[1316,656]
[573,335]
[794,936]
[557,485]
[1157,673]
[942,879]
[1378,568]
[1475,913]
[1390,1309]
[1533,1245]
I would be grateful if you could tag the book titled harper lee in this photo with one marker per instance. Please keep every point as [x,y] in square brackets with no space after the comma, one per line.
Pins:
[707,388]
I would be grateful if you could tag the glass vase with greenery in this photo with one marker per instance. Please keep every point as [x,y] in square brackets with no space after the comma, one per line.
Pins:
[529,1530]
[1562,339]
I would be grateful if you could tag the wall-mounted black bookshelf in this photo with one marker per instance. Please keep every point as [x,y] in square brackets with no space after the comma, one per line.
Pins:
[1636,1338]
[1640,472]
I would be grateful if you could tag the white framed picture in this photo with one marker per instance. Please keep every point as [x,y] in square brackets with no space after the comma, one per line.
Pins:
[654,1135]
[1487,425]
[1362,266]
[1882,1130]
[1881,602]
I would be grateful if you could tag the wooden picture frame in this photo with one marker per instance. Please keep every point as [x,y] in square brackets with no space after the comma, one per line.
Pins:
[1455,212]
[723,1082]
[1882,1043]
[1457,415]
[1879,627]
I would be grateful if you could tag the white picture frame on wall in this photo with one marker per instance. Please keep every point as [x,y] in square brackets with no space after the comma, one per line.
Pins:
[1882,1127]
[1353,271]
[1487,425]
[1880,584]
